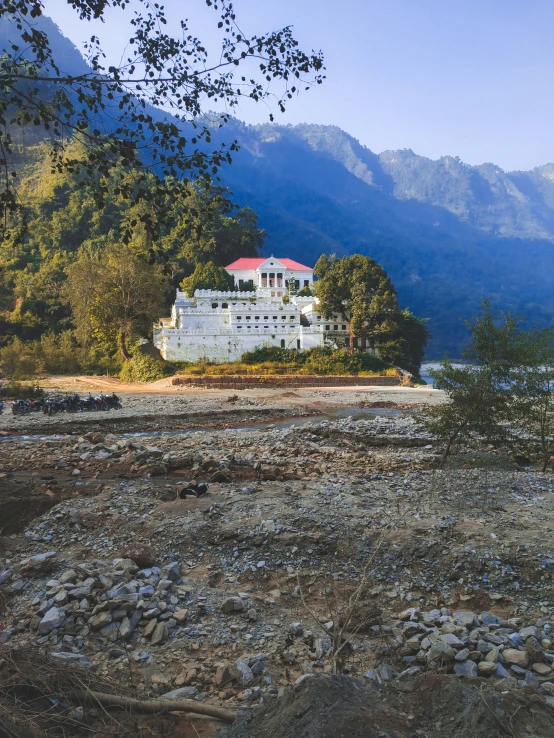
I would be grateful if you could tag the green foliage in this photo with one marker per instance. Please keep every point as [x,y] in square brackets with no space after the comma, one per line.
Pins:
[332,361]
[144,368]
[305,292]
[208,276]
[357,287]
[53,354]
[316,361]
[15,390]
[271,353]
[109,108]
[65,259]
[507,392]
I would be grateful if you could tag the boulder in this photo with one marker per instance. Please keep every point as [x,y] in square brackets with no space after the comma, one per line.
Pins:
[52,619]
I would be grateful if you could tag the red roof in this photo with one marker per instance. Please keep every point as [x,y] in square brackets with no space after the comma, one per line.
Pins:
[255,263]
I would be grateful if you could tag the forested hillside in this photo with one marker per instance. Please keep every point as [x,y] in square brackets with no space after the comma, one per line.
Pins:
[448,234]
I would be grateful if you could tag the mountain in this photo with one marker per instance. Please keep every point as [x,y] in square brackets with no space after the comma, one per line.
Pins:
[449,234]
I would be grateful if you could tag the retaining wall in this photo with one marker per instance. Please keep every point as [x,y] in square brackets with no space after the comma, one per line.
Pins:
[288,381]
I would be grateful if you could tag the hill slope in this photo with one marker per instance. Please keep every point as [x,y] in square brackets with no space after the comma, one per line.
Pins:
[449,234]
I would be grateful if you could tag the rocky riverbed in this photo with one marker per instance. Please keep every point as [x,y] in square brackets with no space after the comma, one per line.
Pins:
[328,544]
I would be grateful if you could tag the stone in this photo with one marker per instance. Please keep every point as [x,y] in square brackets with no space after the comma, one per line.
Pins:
[245,672]
[492,656]
[513,656]
[125,628]
[462,655]
[233,604]
[441,651]
[501,672]
[384,673]
[451,640]
[303,679]
[532,630]
[487,618]
[52,619]
[179,694]
[542,669]
[465,617]
[101,620]
[224,675]
[74,659]
[466,668]
[171,571]
[160,634]
[181,615]
[486,668]
[534,649]
[409,673]
[147,632]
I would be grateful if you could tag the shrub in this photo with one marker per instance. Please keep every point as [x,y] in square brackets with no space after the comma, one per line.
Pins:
[270,353]
[145,368]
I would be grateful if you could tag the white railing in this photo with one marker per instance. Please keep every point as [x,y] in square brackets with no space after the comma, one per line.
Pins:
[240,330]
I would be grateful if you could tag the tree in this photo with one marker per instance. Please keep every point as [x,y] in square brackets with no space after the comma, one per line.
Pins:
[360,290]
[505,391]
[208,277]
[112,109]
[533,411]
[203,225]
[477,407]
[116,299]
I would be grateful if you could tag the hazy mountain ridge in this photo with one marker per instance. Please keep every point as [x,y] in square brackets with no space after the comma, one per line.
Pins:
[449,234]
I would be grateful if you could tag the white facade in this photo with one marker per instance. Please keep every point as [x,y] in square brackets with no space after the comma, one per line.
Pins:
[275,274]
[221,326]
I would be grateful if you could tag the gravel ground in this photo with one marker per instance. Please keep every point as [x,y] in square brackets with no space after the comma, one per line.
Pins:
[234,597]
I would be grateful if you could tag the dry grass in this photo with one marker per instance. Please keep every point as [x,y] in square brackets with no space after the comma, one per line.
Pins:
[39,694]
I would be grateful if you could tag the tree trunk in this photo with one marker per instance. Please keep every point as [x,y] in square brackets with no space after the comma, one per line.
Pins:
[351,345]
[122,348]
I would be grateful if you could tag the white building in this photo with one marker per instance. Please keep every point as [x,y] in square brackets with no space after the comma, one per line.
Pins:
[272,273]
[221,326]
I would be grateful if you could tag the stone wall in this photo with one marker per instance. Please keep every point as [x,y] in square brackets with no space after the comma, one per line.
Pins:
[288,381]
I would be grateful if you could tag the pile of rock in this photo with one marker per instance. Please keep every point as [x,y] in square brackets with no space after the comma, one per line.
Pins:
[477,645]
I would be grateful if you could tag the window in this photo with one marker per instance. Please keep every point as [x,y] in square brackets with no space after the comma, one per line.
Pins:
[291,317]
[306,283]
[266,317]
[214,305]
[248,317]
[272,279]
[264,279]
[335,327]
[343,327]
[327,327]
[282,343]
[297,343]
[239,317]
[241,282]
[274,317]
[224,305]
[318,317]
[257,317]
[279,279]
[283,317]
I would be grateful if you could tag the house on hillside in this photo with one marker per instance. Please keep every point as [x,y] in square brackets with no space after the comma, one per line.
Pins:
[221,326]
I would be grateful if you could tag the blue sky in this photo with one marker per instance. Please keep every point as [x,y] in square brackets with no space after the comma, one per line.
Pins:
[469,78]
